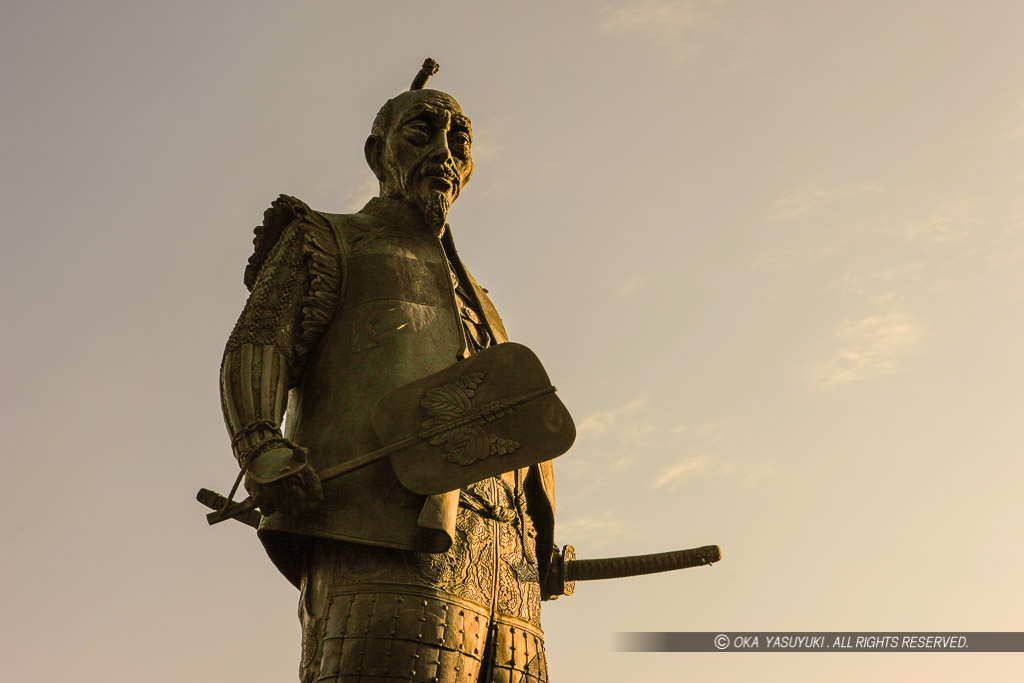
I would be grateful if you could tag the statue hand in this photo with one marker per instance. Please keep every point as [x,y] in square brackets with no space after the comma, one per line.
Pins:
[280,479]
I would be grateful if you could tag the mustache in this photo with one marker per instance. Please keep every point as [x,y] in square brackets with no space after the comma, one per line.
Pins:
[445,171]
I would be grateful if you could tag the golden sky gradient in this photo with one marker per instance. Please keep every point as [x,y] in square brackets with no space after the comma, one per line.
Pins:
[772,254]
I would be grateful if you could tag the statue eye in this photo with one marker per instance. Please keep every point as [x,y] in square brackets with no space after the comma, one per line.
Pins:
[460,141]
[417,132]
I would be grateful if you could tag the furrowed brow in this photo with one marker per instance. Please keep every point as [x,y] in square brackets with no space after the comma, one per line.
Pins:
[462,122]
[418,110]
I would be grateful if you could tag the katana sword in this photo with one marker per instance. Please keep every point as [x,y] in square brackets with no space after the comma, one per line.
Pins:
[566,570]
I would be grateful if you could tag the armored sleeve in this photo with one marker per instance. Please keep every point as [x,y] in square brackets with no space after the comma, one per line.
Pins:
[294,280]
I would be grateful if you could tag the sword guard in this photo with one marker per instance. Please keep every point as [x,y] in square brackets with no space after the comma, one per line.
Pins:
[568,555]
[556,582]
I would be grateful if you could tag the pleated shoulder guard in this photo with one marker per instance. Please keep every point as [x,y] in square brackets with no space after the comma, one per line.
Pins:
[294,279]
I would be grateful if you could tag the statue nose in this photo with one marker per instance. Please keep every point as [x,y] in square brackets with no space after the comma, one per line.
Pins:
[439,150]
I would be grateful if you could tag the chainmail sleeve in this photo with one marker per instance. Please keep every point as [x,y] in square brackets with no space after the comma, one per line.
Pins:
[294,280]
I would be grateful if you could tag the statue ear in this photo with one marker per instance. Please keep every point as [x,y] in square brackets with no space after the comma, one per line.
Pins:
[372,149]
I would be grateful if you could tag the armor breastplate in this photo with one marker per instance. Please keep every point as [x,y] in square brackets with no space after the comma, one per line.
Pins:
[396,321]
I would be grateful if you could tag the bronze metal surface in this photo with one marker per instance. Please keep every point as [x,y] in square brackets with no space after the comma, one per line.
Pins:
[494,412]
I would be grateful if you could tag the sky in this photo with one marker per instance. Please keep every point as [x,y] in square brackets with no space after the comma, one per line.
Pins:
[772,255]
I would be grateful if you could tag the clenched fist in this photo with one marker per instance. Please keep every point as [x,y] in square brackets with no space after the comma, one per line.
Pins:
[280,480]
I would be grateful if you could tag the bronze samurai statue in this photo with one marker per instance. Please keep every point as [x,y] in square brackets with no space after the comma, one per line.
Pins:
[343,309]
[430,565]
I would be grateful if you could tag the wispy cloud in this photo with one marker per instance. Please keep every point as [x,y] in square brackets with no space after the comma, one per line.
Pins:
[633,283]
[355,197]
[1007,251]
[663,21]
[487,147]
[611,444]
[947,224]
[867,282]
[617,420]
[786,258]
[635,422]
[592,532]
[805,200]
[680,29]
[610,441]
[705,465]
[868,348]
[687,467]
[664,24]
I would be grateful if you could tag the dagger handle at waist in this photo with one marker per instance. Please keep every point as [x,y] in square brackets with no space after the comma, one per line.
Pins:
[637,565]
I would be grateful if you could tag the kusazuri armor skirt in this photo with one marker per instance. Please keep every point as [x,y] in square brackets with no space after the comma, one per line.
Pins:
[471,614]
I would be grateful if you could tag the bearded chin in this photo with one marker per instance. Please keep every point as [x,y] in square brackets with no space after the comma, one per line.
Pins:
[434,208]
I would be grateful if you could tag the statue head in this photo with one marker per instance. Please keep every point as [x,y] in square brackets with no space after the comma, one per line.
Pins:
[419,148]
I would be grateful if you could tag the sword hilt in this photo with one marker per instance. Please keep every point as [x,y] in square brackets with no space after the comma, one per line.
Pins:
[244,511]
[638,565]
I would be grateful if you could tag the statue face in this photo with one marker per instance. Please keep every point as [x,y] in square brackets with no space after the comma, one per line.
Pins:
[425,156]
